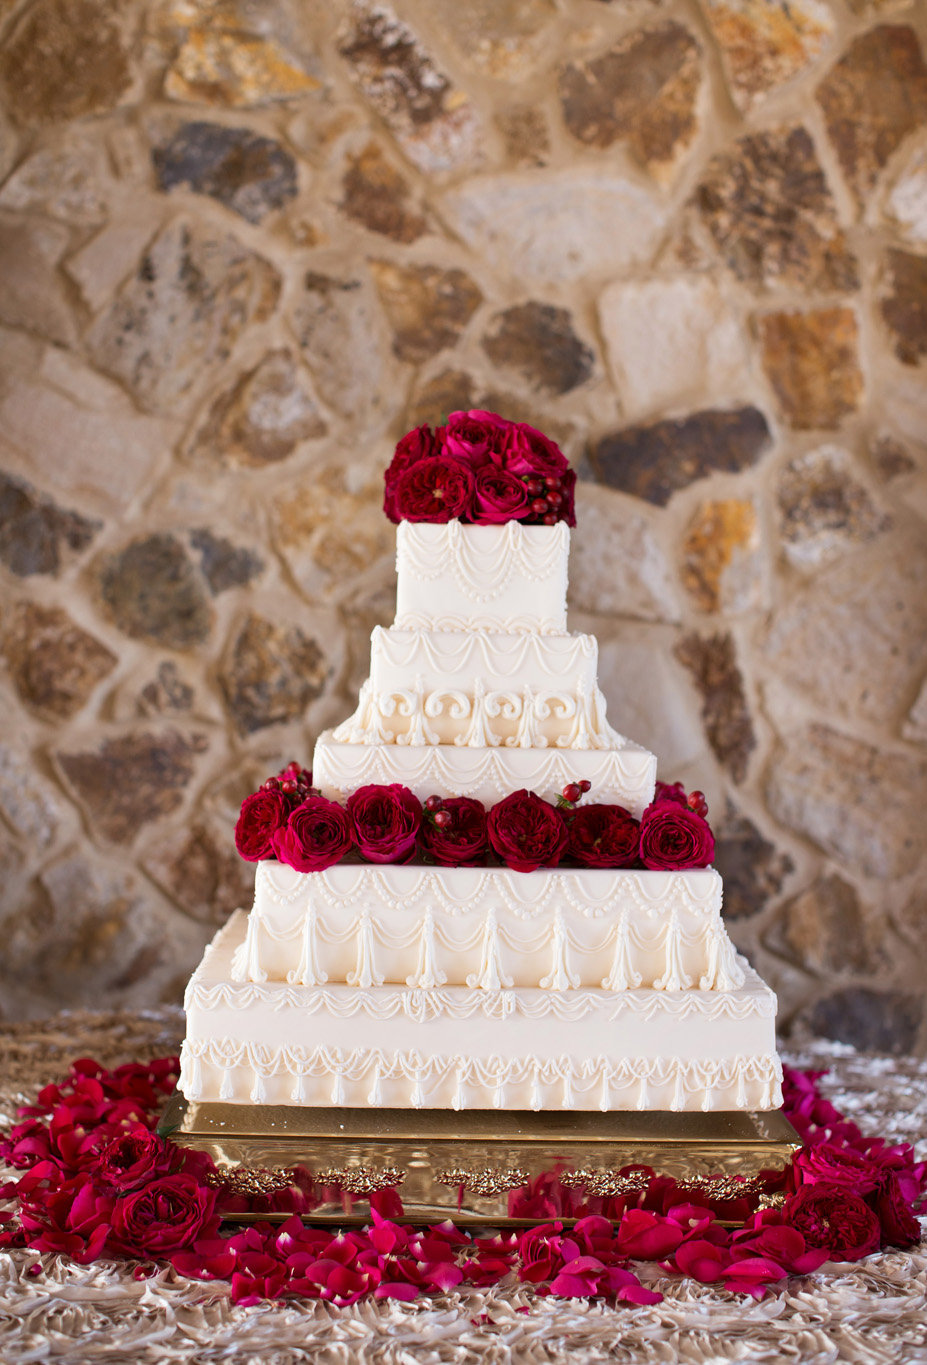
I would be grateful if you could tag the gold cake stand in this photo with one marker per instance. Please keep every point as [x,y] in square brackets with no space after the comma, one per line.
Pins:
[465,1165]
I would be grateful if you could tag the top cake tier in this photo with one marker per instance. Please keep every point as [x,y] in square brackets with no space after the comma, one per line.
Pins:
[506,579]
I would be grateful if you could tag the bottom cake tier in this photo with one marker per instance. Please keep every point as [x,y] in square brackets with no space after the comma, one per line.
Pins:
[469,1048]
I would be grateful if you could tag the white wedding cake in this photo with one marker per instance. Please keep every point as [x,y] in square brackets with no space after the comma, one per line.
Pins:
[420,984]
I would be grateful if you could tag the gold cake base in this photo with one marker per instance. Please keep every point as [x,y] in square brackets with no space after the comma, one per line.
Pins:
[464,1165]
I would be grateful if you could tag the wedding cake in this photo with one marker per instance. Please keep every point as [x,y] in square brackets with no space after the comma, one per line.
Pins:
[481,897]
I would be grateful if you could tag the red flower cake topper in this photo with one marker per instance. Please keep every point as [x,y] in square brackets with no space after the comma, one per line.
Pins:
[482,469]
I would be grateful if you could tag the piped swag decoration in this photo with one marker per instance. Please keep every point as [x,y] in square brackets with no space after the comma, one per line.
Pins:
[290,821]
[98,1181]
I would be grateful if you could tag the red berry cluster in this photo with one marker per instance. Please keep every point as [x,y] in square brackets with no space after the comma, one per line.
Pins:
[440,817]
[292,780]
[572,793]
[546,497]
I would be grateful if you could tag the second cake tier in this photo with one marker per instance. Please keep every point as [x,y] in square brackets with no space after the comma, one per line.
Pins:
[489,928]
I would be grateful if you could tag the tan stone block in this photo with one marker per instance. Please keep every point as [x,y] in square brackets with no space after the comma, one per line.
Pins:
[722,556]
[904,309]
[263,417]
[526,135]
[336,317]
[824,510]
[907,202]
[64,59]
[448,391]
[55,665]
[617,567]
[32,805]
[270,673]
[854,638]
[643,91]
[201,871]
[151,591]
[110,258]
[672,342]
[329,535]
[812,363]
[238,69]
[765,43]
[859,802]
[538,341]
[873,97]
[427,306]
[379,197]
[712,662]
[501,37]
[69,180]
[559,226]
[753,869]
[824,929]
[32,296]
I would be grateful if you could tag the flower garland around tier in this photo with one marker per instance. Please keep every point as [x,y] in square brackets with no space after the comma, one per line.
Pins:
[289,820]
[482,469]
[98,1181]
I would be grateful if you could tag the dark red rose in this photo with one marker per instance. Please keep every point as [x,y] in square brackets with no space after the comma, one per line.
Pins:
[462,840]
[499,497]
[830,1216]
[529,451]
[673,837]
[671,791]
[167,1215]
[474,436]
[134,1159]
[418,444]
[317,834]
[386,822]
[603,836]
[526,833]
[262,814]
[840,1165]
[435,490]
[896,1218]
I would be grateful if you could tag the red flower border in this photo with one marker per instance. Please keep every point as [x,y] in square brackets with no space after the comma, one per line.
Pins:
[98,1181]
[288,820]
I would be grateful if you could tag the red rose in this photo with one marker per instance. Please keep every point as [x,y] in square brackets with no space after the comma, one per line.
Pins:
[136,1158]
[526,833]
[435,490]
[671,791]
[529,451]
[317,834]
[167,1215]
[475,436]
[416,445]
[838,1165]
[603,836]
[673,837]
[830,1216]
[462,840]
[899,1226]
[500,496]
[567,509]
[386,822]
[262,814]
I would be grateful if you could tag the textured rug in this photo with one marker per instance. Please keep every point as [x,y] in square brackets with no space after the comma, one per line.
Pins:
[873,1311]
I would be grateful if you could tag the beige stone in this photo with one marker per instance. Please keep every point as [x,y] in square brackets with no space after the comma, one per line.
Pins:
[617,565]
[915,727]
[861,803]
[65,59]
[335,316]
[101,450]
[55,665]
[502,37]
[722,556]
[69,180]
[823,928]
[560,225]
[377,195]
[854,638]
[713,665]
[812,363]
[263,417]
[765,43]
[907,202]
[29,802]
[331,536]
[110,258]
[236,69]
[32,296]
[427,307]
[647,696]
[824,509]
[904,307]
[672,342]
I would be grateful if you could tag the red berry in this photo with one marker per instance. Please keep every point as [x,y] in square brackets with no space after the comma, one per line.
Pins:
[270,785]
[554,499]
[572,792]
[585,785]
[442,817]
[551,519]
[288,785]
[696,801]
[434,803]
[535,487]
[539,506]
[553,481]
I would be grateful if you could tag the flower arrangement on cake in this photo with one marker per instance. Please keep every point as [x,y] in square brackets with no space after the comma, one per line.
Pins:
[290,821]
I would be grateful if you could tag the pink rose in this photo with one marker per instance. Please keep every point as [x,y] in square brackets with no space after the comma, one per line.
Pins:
[526,833]
[435,490]
[899,1226]
[673,837]
[262,814]
[317,834]
[603,836]
[528,451]
[839,1165]
[461,840]
[499,497]
[166,1215]
[830,1216]
[475,436]
[386,822]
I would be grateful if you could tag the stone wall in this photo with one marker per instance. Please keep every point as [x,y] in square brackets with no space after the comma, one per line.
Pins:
[245,245]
